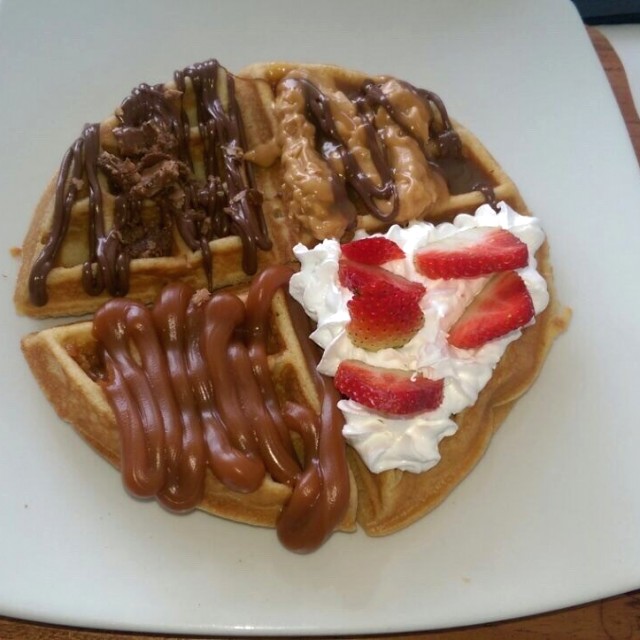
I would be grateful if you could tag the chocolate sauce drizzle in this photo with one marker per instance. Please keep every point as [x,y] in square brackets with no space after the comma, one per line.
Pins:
[200,395]
[232,207]
[79,163]
[155,163]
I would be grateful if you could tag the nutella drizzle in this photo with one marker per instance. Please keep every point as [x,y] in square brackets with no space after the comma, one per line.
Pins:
[153,140]
[189,385]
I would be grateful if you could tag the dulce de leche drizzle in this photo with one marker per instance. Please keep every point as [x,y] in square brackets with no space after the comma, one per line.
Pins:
[191,389]
[154,166]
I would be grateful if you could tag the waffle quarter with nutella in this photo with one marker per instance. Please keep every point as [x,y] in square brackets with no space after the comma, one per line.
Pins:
[388,297]
[211,402]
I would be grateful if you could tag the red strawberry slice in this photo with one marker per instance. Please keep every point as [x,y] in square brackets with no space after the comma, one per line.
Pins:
[502,306]
[389,391]
[364,279]
[472,253]
[376,250]
[386,320]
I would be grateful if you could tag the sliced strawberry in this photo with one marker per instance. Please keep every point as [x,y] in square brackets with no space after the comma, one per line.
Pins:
[376,250]
[503,305]
[387,320]
[472,253]
[390,391]
[364,279]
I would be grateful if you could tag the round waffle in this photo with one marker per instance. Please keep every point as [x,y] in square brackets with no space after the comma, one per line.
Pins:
[209,181]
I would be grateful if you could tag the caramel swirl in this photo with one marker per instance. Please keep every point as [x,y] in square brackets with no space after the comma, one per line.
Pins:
[154,167]
[190,385]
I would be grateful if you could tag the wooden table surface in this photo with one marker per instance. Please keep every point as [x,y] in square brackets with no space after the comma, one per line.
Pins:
[616,618]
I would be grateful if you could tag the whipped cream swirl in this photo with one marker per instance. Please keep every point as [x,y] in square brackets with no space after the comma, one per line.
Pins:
[411,444]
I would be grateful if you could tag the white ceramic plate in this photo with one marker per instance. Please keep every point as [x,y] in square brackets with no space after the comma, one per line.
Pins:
[550,517]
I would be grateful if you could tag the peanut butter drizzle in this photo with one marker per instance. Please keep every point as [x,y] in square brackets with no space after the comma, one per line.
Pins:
[190,386]
[224,202]
[386,143]
[328,137]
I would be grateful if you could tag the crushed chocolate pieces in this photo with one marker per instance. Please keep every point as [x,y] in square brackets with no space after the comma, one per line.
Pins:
[156,243]
[121,173]
[152,158]
[155,178]
[162,139]
[131,141]
[150,137]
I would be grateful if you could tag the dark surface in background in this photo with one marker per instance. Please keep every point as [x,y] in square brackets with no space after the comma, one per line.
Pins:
[609,11]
